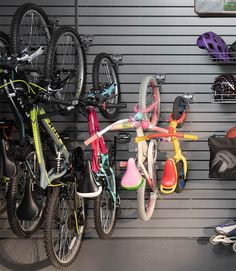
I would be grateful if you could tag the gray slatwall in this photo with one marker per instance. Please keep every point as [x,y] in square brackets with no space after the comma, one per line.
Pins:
[156,36]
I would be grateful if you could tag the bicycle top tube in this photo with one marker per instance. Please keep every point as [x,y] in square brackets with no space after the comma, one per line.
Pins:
[147,109]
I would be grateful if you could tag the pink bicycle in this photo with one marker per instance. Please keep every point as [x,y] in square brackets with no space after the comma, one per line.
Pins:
[141,172]
[99,181]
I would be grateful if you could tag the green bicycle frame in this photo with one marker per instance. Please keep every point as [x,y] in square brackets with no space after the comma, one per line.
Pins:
[46,177]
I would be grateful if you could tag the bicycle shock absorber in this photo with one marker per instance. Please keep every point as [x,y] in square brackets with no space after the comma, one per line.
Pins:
[58,162]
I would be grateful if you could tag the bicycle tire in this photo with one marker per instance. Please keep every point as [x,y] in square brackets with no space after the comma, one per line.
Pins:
[101,61]
[99,204]
[72,85]
[144,92]
[3,205]
[19,25]
[179,107]
[4,50]
[146,199]
[51,210]
[14,195]
[4,43]
[181,181]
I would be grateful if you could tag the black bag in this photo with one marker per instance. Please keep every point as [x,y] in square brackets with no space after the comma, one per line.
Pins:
[222,157]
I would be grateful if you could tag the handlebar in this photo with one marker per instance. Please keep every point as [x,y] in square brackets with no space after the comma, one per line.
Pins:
[161,135]
[13,62]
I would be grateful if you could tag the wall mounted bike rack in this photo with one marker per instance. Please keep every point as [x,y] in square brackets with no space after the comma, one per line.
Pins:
[87,40]
[117,59]
[161,79]
[55,21]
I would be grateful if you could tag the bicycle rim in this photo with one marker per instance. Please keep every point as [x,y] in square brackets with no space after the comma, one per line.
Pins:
[105,213]
[64,238]
[146,197]
[149,94]
[105,78]
[108,211]
[67,67]
[30,29]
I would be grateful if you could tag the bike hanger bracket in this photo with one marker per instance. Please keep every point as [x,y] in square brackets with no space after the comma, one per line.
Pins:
[87,41]
[117,59]
[161,79]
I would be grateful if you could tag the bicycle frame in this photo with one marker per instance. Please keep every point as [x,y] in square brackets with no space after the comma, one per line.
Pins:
[46,177]
[100,159]
[139,124]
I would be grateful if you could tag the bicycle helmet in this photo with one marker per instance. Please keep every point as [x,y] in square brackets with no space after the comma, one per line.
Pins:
[215,45]
[224,84]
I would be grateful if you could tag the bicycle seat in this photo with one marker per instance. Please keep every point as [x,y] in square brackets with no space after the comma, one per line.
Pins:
[169,178]
[132,179]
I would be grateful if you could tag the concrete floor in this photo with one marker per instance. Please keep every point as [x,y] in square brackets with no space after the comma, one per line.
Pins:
[123,254]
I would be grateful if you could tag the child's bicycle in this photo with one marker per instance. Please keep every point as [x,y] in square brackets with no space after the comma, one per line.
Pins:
[175,171]
[146,117]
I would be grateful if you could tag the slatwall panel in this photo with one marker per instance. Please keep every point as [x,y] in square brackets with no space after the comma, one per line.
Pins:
[156,36]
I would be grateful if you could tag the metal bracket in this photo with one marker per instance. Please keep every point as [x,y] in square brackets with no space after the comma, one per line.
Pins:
[117,59]
[188,97]
[55,21]
[87,40]
[161,78]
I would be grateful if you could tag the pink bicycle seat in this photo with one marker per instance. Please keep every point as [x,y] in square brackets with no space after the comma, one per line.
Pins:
[132,179]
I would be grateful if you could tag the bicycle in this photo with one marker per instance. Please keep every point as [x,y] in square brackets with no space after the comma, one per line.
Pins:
[175,170]
[146,117]
[64,212]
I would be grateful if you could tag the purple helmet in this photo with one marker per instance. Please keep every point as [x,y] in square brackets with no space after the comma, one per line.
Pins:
[214,44]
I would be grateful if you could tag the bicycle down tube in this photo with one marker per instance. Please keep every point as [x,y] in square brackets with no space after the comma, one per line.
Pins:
[46,177]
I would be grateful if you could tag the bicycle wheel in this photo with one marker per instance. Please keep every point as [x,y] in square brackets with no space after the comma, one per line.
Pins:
[181,181]
[2,196]
[65,64]
[4,44]
[63,232]
[146,197]
[105,210]
[15,193]
[148,95]
[106,82]
[30,29]
[179,107]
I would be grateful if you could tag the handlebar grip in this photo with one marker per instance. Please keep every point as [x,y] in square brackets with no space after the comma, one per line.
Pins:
[109,106]
[23,68]
[91,139]
[191,137]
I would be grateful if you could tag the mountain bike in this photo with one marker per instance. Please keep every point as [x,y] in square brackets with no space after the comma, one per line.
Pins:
[64,212]
[22,149]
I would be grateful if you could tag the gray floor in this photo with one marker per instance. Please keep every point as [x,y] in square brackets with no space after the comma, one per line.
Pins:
[123,254]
